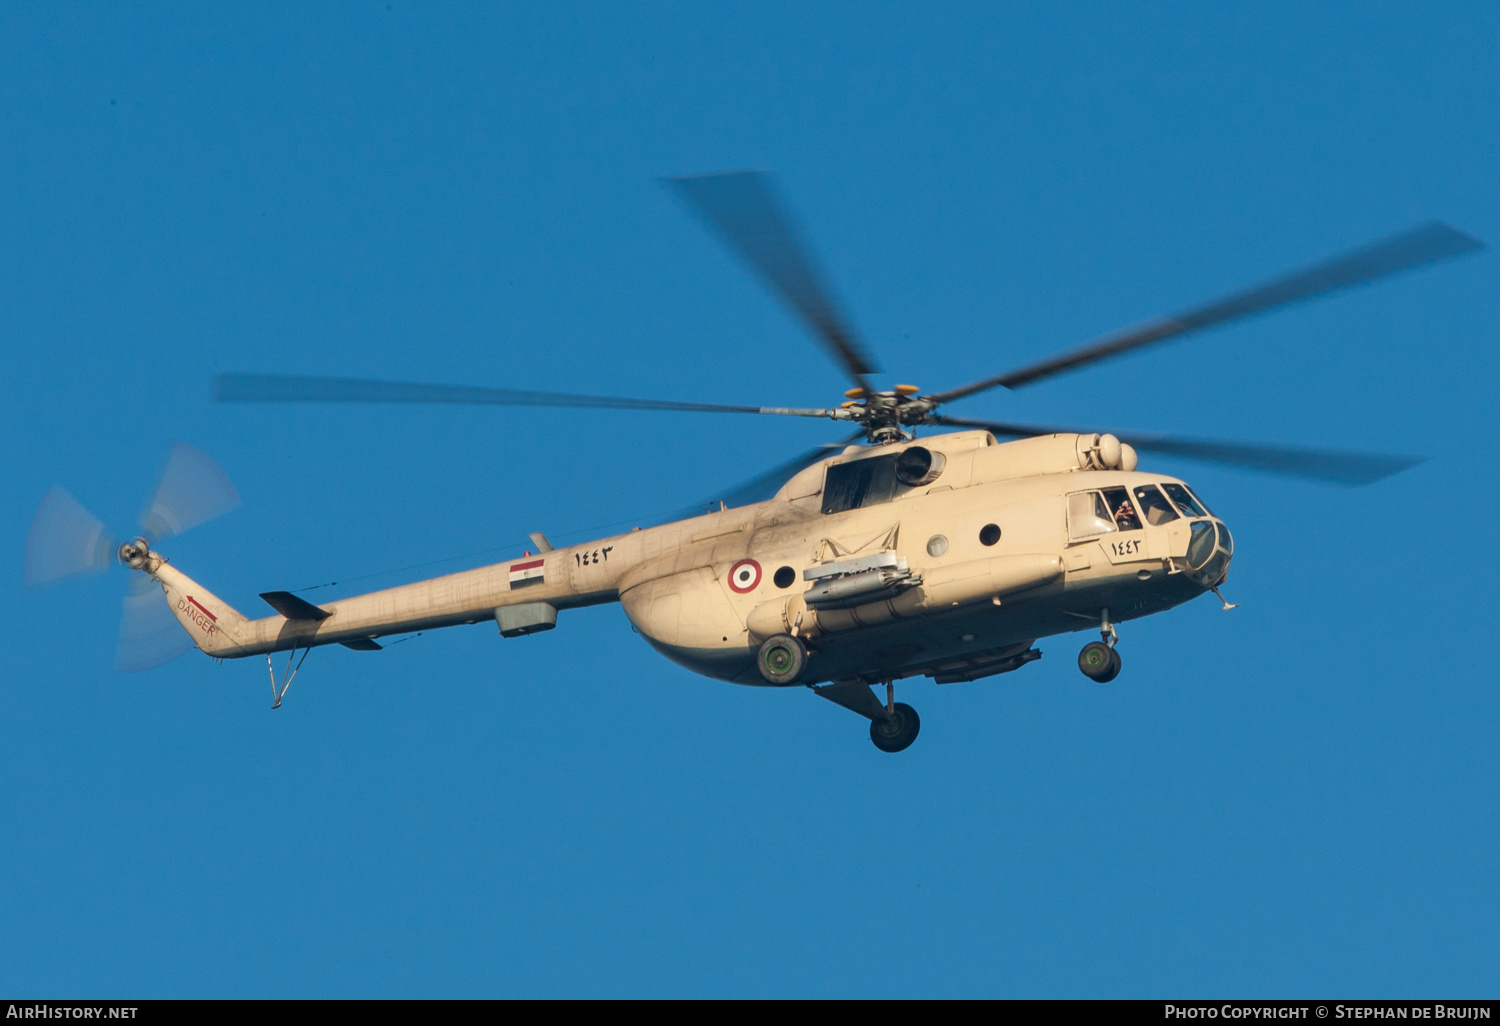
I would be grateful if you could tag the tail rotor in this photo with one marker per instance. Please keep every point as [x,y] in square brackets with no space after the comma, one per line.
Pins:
[150,635]
[193,490]
[67,541]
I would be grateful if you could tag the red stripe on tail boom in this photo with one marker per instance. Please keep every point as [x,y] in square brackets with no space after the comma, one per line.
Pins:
[200,605]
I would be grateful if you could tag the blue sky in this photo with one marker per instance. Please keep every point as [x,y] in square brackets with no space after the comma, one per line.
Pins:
[1297,797]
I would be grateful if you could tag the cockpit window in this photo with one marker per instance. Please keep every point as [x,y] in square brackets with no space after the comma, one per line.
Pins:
[1088,516]
[1201,504]
[1200,545]
[1118,502]
[1184,501]
[1154,505]
[860,483]
[1207,562]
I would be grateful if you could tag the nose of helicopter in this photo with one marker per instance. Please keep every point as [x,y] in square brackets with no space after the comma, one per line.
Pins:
[1210,548]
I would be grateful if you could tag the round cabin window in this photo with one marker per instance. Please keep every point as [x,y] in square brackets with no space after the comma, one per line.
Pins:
[784,577]
[989,534]
[937,545]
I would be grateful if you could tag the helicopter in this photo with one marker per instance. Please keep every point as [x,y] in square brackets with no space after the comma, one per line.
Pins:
[877,558]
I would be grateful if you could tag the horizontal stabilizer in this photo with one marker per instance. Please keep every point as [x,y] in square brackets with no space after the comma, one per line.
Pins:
[293,608]
[362,645]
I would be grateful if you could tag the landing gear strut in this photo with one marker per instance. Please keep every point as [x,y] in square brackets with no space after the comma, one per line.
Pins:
[893,725]
[1099,661]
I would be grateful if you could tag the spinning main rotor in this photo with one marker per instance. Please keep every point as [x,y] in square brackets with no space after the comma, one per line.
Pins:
[742,207]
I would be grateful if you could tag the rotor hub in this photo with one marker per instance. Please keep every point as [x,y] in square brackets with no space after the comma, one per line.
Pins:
[135,553]
[886,416]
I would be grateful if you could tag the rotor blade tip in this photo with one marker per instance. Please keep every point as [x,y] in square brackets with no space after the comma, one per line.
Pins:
[150,635]
[701,175]
[1463,241]
[64,540]
[193,490]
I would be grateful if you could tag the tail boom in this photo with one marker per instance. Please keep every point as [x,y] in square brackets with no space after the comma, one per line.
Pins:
[468,597]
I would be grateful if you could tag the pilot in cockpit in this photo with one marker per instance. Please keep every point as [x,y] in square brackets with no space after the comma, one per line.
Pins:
[1124,513]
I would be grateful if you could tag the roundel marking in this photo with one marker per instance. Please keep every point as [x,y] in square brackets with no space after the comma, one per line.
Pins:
[744,576]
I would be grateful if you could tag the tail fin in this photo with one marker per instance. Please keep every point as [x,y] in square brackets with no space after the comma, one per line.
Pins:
[211,622]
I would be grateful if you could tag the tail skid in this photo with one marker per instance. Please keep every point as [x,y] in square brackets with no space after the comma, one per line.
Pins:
[216,627]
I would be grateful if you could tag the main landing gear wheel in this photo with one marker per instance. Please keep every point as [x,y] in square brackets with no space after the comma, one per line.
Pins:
[1099,662]
[898,732]
[782,659]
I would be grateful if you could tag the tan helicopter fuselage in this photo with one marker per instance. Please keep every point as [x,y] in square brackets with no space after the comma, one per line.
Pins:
[1001,545]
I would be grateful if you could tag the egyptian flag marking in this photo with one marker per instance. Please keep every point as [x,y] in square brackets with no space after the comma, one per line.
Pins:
[522,574]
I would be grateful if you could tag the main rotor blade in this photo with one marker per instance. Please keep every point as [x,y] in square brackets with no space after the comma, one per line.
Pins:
[65,540]
[1347,468]
[150,635]
[280,388]
[1423,245]
[765,485]
[742,207]
[193,490]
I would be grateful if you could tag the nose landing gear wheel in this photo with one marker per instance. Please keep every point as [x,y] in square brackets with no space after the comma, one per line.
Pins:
[898,732]
[1099,662]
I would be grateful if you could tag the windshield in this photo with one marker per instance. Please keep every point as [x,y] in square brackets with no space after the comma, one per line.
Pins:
[1185,502]
[1154,505]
